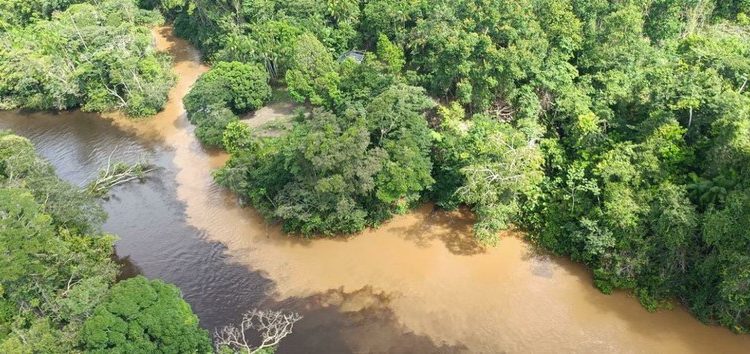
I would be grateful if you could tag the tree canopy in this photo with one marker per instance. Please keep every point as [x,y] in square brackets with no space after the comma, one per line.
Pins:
[144,316]
[613,132]
[57,272]
[227,89]
[338,173]
[96,56]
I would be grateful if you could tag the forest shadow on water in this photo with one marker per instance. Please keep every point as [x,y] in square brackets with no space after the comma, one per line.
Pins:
[180,53]
[155,240]
[674,327]
[394,289]
[417,284]
[452,228]
[541,262]
[662,325]
[220,291]
[154,237]
[358,321]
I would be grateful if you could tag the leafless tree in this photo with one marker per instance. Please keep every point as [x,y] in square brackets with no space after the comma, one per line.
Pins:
[272,326]
[502,110]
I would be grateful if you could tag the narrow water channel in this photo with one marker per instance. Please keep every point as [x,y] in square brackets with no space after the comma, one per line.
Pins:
[416,285]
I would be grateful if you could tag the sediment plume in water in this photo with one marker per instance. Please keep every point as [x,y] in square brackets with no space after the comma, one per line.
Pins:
[418,283]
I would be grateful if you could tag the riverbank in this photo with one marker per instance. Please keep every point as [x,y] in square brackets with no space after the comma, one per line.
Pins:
[416,284]
[436,283]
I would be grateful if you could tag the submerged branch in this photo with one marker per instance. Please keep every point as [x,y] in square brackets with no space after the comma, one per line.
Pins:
[116,174]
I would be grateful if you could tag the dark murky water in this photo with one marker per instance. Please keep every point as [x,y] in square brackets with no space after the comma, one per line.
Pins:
[154,240]
[418,284]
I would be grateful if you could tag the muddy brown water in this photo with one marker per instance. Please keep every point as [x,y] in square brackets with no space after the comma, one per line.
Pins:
[416,285]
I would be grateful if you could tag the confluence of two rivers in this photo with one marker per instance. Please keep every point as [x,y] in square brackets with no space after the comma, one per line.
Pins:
[415,285]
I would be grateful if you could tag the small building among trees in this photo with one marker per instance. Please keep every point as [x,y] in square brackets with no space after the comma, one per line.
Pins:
[356,55]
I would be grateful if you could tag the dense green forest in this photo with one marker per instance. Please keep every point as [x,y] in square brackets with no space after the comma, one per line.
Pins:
[96,55]
[613,132]
[57,277]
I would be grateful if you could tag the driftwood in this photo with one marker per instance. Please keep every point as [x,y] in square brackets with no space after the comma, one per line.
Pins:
[115,174]
[272,326]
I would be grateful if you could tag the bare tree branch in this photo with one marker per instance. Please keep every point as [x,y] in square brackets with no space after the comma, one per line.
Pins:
[272,326]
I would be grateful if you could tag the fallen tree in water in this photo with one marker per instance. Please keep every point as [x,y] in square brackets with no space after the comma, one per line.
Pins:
[272,326]
[116,174]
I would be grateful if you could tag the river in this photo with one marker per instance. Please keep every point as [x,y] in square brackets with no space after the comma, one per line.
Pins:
[415,285]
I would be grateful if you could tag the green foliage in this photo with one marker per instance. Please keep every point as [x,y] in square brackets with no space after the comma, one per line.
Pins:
[96,57]
[361,82]
[227,89]
[56,265]
[647,165]
[733,9]
[69,206]
[488,165]
[338,173]
[211,122]
[396,123]
[726,265]
[269,43]
[614,132]
[332,174]
[312,74]
[242,87]
[264,31]
[18,13]
[144,316]
[390,54]
[389,18]
[39,337]
[57,268]
[237,138]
